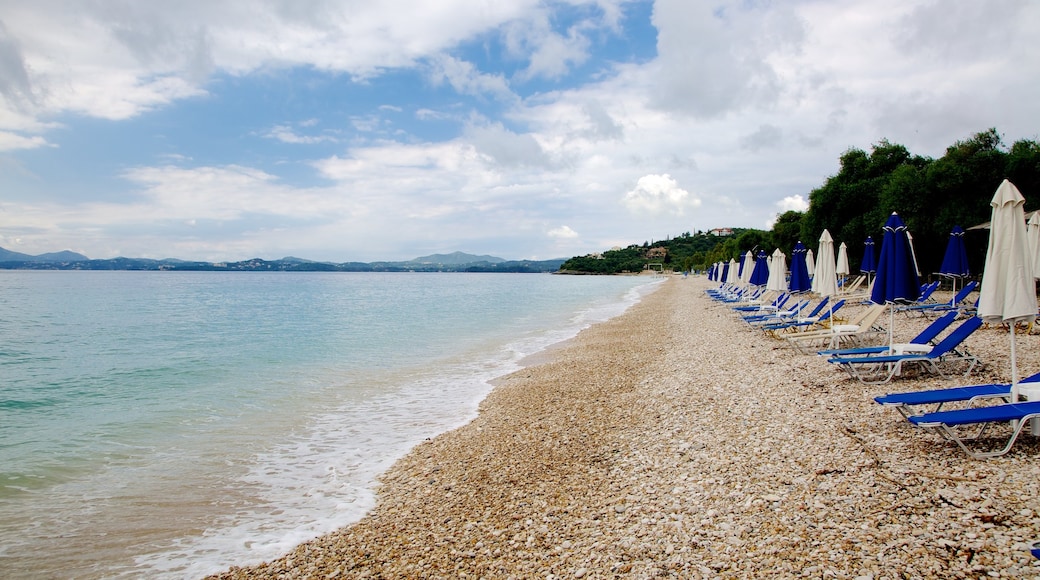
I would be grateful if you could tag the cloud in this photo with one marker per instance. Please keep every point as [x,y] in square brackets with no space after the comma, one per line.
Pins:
[562,233]
[715,57]
[12,141]
[792,203]
[286,134]
[658,193]
[765,137]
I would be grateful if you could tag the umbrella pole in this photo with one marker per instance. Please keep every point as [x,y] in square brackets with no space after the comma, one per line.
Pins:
[1014,367]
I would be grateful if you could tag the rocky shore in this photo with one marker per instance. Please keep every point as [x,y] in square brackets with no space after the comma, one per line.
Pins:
[674,441]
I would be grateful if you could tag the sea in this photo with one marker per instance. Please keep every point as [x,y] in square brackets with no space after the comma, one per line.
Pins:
[173,424]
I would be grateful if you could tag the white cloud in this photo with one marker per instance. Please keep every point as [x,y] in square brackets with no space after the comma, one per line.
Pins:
[659,193]
[286,134]
[12,141]
[563,232]
[792,203]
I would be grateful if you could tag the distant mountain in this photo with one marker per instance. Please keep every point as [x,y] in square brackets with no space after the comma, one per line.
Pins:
[65,256]
[456,259]
[454,262]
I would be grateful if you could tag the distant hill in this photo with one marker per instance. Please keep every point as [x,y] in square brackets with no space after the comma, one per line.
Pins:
[65,256]
[456,259]
[454,262]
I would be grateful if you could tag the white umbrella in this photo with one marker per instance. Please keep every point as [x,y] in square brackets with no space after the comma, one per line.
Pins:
[747,267]
[825,279]
[1008,293]
[733,276]
[1033,229]
[777,271]
[810,264]
[841,268]
[913,254]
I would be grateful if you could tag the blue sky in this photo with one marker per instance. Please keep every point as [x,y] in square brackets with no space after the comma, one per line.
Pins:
[339,130]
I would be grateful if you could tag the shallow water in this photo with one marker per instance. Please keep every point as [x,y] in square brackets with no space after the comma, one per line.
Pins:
[173,424]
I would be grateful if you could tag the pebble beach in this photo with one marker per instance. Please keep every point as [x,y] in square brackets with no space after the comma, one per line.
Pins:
[675,441]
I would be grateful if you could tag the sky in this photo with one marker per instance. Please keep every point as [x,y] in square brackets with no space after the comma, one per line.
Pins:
[350,130]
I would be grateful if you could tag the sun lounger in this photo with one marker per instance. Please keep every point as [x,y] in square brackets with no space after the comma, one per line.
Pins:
[955,304]
[923,338]
[855,331]
[877,369]
[776,316]
[903,402]
[946,423]
[776,304]
[816,318]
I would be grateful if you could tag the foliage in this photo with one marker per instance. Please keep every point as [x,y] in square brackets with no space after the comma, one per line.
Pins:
[931,195]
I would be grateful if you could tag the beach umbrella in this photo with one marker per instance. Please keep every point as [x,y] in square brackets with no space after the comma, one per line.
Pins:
[868,265]
[746,266]
[724,272]
[825,279]
[810,263]
[1008,293]
[1033,229]
[760,273]
[777,271]
[955,260]
[913,254]
[896,276]
[733,275]
[799,269]
[841,266]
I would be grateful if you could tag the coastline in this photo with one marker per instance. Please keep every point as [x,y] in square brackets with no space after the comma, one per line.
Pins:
[672,441]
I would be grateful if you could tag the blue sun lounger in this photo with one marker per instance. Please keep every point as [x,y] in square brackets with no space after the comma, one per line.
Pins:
[924,337]
[954,304]
[877,369]
[814,318]
[939,397]
[946,423]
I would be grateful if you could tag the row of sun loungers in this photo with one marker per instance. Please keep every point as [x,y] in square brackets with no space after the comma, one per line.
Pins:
[848,345]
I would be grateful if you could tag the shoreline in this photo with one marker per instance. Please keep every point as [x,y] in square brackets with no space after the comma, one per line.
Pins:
[673,441]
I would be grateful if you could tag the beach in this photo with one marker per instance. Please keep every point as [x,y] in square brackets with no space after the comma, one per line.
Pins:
[674,441]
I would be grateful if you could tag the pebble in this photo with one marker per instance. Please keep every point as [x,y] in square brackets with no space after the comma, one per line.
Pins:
[673,441]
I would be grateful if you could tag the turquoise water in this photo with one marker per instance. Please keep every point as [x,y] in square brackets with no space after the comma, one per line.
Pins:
[170,425]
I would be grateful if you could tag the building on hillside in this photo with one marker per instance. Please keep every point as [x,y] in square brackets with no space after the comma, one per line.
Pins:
[721,232]
[657,253]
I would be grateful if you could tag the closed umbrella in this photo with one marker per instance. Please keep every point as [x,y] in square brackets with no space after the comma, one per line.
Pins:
[777,271]
[913,254]
[799,270]
[825,280]
[955,260]
[760,273]
[868,265]
[1033,229]
[896,275]
[810,263]
[746,266]
[724,272]
[733,275]
[1008,293]
[841,266]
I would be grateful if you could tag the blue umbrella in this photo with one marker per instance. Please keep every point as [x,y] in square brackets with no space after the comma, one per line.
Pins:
[799,270]
[955,261]
[724,275]
[868,265]
[896,275]
[760,275]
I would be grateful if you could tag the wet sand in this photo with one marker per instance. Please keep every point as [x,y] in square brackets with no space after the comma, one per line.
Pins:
[674,441]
